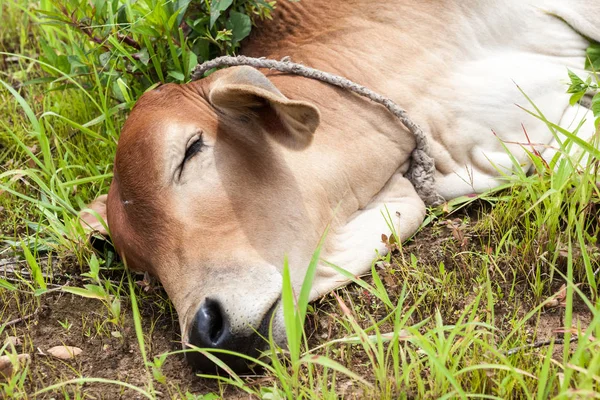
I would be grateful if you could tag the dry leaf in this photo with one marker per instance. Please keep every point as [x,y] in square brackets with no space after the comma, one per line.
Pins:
[64,352]
[559,298]
[145,283]
[390,242]
[6,366]
[575,332]
[561,295]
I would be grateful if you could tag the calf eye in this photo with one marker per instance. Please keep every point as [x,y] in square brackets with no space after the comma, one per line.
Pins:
[194,148]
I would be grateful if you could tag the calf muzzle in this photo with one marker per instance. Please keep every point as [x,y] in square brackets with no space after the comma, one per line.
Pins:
[211,330]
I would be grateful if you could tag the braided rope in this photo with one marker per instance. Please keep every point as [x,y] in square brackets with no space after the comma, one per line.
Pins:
[422,168]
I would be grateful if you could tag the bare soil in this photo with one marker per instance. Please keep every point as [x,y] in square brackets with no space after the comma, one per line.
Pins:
[112,351]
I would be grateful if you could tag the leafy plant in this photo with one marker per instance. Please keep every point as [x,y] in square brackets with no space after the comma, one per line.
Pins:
[105,292]
[131,46]
[580,88]
[593,57]
[66,325]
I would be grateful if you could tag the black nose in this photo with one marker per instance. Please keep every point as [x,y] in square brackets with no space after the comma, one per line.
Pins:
[210,329]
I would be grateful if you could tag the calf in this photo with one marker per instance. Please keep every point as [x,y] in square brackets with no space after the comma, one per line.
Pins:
[217,180]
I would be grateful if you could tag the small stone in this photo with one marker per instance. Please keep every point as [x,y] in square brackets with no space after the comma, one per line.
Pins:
[64,352]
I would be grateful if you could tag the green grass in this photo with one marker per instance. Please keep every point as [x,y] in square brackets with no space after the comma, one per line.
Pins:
[439,318]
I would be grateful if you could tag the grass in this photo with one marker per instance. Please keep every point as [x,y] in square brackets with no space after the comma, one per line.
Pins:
[452,314]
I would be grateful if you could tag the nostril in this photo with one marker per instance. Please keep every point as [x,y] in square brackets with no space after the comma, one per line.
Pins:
[210,325]
[215,321]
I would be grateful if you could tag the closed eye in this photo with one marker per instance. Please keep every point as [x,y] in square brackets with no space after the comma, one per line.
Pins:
[195,146]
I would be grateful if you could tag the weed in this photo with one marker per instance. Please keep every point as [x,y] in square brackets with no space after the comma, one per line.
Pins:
[66,325]
[129,46]
[458,312]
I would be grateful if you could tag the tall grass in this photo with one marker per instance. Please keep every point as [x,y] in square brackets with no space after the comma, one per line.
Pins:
[440,334]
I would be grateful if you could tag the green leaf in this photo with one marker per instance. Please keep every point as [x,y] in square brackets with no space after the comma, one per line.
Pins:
[49,55]
[309,278]
[334,365]
[241,25]
[94,266]
[596,109]
[75,62]
[289,313]
[576,97]
[202,49]
[25,106]
[63,64]
[124,90]
[596,105]
[178,76]
[115,307]
[192,62]
[182,6]
[104,58]
[82,292]
[381,292]
[577,84]
[116,89]
[145,30]
[7,285]
[223,36]
[122,15]
[592,61]
[37,81]
[172,20]
[216,8]
[36,270]
[56,16]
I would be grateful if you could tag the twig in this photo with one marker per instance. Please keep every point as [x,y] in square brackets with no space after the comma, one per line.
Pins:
[22,319]
[15,272]
[87,30]
[537,345]
[128,40]
[15,262]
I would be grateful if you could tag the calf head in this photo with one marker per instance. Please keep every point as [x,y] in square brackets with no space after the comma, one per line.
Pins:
[202,199]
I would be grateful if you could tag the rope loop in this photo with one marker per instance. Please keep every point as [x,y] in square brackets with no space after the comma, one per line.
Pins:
[421,172]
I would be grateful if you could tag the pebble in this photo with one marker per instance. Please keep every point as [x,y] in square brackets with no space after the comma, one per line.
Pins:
[64,352]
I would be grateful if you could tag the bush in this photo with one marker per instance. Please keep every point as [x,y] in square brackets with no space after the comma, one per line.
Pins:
[128,46]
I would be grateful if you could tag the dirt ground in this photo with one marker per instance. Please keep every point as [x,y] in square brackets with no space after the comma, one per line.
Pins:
[112,352]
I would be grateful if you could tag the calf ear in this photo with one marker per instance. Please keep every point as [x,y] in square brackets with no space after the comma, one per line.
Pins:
[93,218]
[244,91]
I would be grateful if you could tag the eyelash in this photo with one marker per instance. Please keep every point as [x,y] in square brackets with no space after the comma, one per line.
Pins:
[191,151]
